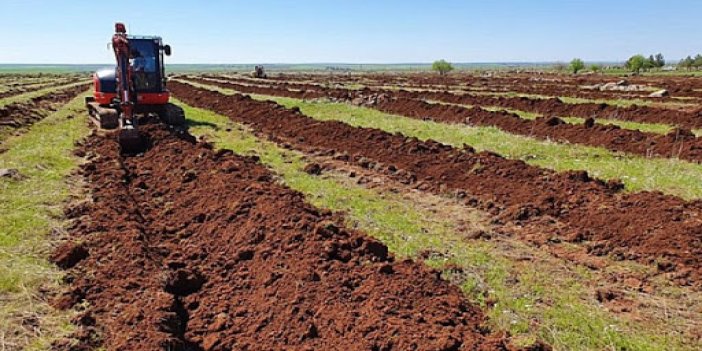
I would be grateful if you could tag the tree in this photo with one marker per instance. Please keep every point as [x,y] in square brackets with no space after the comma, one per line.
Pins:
[686,63]
[442,67]
[660,60]
[636,63]
[649,63]
[697,63]
[595,68]
[576,65]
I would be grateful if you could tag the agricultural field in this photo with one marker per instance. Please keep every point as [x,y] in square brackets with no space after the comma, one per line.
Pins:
[481,210]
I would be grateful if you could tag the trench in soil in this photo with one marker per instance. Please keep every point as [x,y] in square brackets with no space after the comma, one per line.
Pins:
[526,288]
[648,227]
[188,248]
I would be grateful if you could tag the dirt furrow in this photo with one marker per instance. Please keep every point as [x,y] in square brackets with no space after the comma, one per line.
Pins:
[649,226]
[185,248]
[23,114]
[679,143]
[547,107]
[556,107]
[21,89]
[528,83]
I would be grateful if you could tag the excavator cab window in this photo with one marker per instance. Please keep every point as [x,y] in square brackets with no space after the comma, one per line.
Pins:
[145,65]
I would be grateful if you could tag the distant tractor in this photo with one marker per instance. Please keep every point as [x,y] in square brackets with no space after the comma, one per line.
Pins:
[259,72]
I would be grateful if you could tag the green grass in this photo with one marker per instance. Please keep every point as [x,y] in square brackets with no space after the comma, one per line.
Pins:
[29,210]
[558,297]
[670,176]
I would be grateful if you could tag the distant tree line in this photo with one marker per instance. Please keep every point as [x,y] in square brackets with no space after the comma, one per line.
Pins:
[690,63]
[635,64]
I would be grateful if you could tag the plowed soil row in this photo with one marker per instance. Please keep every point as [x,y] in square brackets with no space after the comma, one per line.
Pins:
[556,107]
[34,87]
[547,107]
[532,83]
[647,226]
[22,114]
[680,143]
[185,248]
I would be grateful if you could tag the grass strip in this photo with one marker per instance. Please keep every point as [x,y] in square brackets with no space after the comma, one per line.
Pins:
[30,210]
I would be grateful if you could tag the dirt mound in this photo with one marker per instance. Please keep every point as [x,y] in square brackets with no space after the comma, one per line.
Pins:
[192,249]
[645,226]
[69,254]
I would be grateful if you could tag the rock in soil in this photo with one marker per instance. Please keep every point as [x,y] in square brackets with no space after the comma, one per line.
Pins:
[11,173]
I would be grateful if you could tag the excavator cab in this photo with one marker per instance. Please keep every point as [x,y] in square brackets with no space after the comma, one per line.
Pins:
[135,87]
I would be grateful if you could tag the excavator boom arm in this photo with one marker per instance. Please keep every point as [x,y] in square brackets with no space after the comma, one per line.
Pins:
[120,45]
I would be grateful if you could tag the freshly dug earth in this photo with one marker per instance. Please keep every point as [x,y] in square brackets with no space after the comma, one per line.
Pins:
[22,89]
[528,83]
[649,226]
[185,248]
[23,114]
[680,143]
[556,107]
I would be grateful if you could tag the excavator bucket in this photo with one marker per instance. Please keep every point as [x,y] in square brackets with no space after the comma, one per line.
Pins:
[130,140]
[172,114]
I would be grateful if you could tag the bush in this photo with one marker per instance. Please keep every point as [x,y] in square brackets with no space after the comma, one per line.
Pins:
[576,65]
[595,68]
[442,67]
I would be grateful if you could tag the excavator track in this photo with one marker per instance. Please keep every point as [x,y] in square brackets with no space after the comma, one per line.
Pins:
[103,117]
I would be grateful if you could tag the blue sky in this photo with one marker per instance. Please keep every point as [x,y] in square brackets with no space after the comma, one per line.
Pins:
[355,31]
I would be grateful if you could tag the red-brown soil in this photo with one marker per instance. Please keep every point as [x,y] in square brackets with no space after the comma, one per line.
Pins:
[529,83]
[185,248]
[690,119]
[556,107]
[23,114]
[679,143]
[649,226]
[16,89]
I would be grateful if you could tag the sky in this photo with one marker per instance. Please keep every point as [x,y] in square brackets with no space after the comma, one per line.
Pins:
[355,31]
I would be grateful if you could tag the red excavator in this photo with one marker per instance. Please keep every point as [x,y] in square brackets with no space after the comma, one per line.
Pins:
[136,86]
